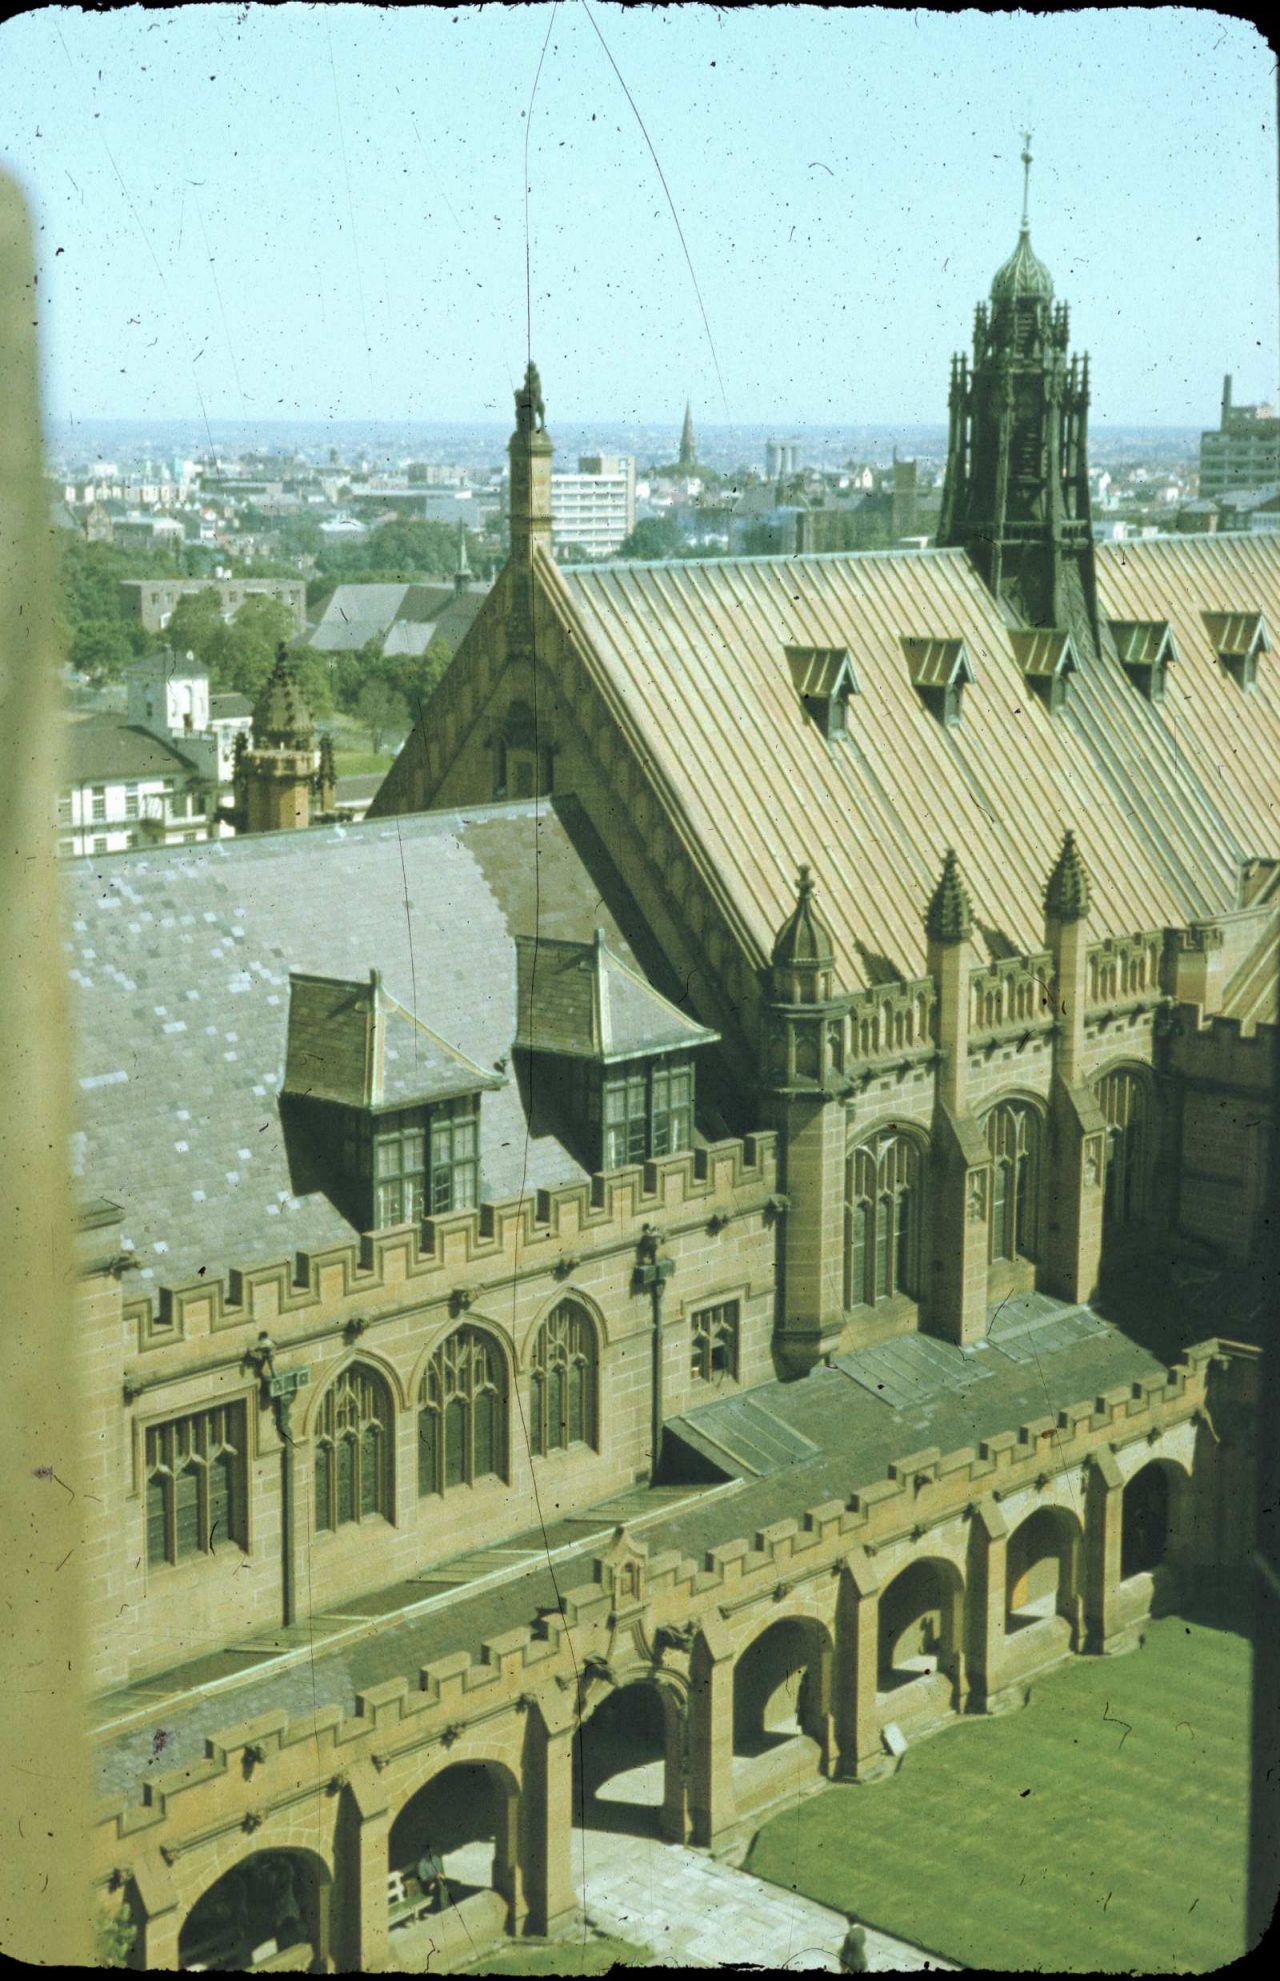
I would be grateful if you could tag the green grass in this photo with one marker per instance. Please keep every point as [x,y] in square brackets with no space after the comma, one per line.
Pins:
[572,1956]
[359,763]
[1102,1828]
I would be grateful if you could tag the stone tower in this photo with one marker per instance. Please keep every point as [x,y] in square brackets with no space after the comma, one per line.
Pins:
[530,453]
[1016,494]
[688,455]
[275,776]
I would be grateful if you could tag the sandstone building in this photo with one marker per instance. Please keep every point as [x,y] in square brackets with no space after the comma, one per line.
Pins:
[645,1247]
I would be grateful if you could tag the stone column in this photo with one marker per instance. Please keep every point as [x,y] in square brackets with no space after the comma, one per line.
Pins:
[361,1930]
[1074,1169]
[812,1133]
[549,1893]
[712,1805]
[674,1817]
[986,1604]
[1104,1514]
[160,1923]
[857,1729]
[960,1168]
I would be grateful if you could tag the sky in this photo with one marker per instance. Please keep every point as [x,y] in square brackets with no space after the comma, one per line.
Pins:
[320,212]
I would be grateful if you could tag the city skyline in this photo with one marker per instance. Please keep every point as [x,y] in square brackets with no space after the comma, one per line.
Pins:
[281,214]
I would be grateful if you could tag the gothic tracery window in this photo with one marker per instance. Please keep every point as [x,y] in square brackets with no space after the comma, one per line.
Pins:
[196,1480]
[1013,1138]
[353,1450]
[462,1414]
[1124,1097]
[882,1218]
[562,1388]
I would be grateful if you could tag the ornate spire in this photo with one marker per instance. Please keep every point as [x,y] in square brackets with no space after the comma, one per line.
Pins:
[1066,898]
[1026,180]
[281,718]
[949,916]
[688,455]
[1023,276]
[462,570]
[804,940]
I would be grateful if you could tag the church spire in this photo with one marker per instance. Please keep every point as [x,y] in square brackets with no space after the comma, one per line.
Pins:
[530,451]
[1016,492]
[688,455]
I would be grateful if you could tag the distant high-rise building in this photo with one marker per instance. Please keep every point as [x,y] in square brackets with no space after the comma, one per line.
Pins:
[596,508]
[1245,450]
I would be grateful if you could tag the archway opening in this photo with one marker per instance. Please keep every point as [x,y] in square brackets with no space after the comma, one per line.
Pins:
[777,1687]
[920,1616]
[267,1912]
[1041,1570]
[454,1838]
[1144,1523]
[620,1762]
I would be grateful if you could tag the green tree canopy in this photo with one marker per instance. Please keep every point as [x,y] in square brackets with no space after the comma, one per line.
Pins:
[101,649]
[380,709]
[653,537]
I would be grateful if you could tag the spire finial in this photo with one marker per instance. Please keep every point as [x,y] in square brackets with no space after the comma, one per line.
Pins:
[1026,180]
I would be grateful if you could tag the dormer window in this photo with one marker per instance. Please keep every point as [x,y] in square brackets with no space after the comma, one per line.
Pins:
[939,671]
[1238,638]
[381,1113]
[1145,648]
[824,680]
[1048,660]
[615,1058]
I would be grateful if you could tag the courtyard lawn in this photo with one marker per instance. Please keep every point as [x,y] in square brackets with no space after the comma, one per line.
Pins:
[1104,1827]
[571,1956]
[360,763]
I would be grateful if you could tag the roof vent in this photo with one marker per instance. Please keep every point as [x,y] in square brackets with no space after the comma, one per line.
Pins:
[1048,660]
[1145,648]
[824,680]
[1238,638]
[939,670]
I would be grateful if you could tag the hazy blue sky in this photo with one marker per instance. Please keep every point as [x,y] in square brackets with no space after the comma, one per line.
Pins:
[319,210]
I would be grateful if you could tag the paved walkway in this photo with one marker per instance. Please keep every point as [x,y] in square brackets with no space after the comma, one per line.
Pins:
[695,1912]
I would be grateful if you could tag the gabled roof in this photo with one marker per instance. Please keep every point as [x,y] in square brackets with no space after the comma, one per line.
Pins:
[103,749]
[1044,653]
[935,663]
[356,1044]
[582,1000]
[1237,633]
[1143,642]
[820,672]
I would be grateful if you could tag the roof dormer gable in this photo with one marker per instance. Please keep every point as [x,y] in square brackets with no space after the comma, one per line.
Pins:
[939,669]
[1047,658]
[1237,639]
[1145,648]
[824,679]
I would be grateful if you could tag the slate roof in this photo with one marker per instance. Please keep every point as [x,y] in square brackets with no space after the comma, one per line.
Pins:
[180,960]
[583,1000]
[223,707]
[406,617]
[104,749]
[355,1044]
[690,657]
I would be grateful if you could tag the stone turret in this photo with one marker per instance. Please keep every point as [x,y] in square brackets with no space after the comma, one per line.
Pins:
[1077,1131]
[276,775]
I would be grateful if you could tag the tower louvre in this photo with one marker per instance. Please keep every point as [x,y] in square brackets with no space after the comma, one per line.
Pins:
[1016,492]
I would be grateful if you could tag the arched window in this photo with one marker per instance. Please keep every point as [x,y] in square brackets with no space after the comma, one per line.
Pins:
[1125,1100]
[882,1219]
[562,1389]
[353,1450]
[1013,1137]
[462,1415]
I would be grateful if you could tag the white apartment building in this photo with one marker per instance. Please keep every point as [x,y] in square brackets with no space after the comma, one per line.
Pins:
[596,508]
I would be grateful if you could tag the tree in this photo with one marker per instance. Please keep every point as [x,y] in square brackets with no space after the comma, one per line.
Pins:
[653,538]
[194,622]
[114,1935]
[101,650]
[380,708]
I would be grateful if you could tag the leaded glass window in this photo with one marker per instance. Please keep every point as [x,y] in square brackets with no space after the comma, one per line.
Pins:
[1013,1138]
[648,1111]
[562,1387]
[625,1123]
[462,1413]
[353,1450]
[455,1155]
[1124,1098]
[715,1341]
[882,1193]
[399,1145]
[196,1484]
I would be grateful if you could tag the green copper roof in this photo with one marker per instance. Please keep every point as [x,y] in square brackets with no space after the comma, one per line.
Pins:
[949,917]
[804,937]
[1023,276]
[280,714]
[1067,896]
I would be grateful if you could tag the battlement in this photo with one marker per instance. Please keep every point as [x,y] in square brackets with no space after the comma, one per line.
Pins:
[539,1232]
[1220,1049]
[454,1693]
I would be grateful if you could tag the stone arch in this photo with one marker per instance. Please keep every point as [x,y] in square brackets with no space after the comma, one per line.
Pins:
[266,1902]
[1153,1510]
[324,1380]
[462,1399]
[1042,1567]
[629,1760]
[455,1835]
[1125,1091]
[563,1357]
[500,1336]
[1015,1129]
[522,1354]
[351,1440]
[781,1684]
[921,1625]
